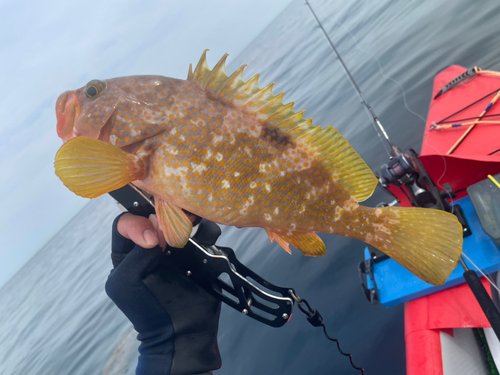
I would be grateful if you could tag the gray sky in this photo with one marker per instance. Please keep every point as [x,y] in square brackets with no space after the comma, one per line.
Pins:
[48,47]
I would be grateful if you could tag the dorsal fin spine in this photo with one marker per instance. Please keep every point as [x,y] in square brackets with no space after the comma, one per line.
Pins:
[291,121]
[232,84]
[271,106]
[190,72]
[250,88]
[217,76]
[261,96]
[202,71]
[281,114]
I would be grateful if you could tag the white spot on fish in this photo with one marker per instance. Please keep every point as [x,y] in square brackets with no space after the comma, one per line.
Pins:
[198,167]
[268,187]
[218,157]
[225,184]
[217,139]
[172,150]
[173,131]
[209,154]
[338,213]
[236,174]
[381,228]
[302,208]
[112,139]
[332,202]
[250,201]
[378,211]
[293,225]
[267,217]
[247,150]
[253,185]
[276,211]
[350,205]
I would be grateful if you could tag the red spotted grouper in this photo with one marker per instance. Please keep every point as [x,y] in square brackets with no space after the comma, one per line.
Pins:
[233,153]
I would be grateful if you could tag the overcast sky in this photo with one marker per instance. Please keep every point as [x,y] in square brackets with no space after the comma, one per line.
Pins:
[48,47]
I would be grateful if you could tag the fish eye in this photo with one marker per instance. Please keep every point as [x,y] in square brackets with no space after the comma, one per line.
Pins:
[94,88]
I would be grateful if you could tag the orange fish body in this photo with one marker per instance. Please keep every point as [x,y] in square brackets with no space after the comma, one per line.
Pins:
[233,153]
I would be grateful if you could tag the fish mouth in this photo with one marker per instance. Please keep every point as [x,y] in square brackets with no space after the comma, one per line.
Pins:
[67,110]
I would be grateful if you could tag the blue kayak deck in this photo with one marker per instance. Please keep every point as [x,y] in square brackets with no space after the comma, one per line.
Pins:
[396,285]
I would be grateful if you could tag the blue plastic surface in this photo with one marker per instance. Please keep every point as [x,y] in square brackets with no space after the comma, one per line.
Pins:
[396,285]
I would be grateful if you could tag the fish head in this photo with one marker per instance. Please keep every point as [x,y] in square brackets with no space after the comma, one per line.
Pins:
[87,111]
[108,110]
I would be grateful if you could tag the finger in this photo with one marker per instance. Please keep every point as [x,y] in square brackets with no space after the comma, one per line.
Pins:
[138,229]
[161,237]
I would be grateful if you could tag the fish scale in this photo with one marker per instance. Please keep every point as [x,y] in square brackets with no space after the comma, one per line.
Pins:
[229,151]
[225,153]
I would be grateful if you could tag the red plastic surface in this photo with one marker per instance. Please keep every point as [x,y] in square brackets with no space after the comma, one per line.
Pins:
[470,163]
[425,317]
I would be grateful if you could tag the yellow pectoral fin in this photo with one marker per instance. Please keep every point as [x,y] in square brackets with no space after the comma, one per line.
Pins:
[174,223]
[90,167]
[308,243]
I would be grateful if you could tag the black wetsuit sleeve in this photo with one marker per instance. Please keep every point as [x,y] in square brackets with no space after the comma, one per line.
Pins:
[177,321]
[120,246]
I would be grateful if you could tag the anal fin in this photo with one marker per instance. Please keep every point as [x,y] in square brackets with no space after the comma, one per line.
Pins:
[174,223]
[274,236]
[309,243]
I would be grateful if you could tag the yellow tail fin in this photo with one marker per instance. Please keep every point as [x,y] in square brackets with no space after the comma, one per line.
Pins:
[426,242]
[90,167]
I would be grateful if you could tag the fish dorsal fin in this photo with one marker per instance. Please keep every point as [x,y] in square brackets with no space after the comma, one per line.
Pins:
[329,147]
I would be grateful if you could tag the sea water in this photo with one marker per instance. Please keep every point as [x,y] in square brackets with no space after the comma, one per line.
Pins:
[55,316]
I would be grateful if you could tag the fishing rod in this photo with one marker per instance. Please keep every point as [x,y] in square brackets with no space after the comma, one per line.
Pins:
[407,170]
[371,114]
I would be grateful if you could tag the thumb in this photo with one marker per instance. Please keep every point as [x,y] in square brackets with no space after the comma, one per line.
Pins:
[138,229]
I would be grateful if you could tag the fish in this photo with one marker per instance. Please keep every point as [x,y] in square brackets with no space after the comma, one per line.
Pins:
[227,150]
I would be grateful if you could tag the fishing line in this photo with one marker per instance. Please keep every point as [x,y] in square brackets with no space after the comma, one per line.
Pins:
[356,88]
[381,71]
[356,45]
[482,273]
[373,117]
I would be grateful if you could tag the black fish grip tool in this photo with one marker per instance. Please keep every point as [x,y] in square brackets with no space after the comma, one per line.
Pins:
[218,271]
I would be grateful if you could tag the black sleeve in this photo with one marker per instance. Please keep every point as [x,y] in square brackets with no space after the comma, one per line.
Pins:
[120,246]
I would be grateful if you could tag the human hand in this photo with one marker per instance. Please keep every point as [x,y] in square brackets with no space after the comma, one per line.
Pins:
[176,319]
[142,231]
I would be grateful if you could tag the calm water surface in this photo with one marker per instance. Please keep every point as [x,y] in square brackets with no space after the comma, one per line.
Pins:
[56,318]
